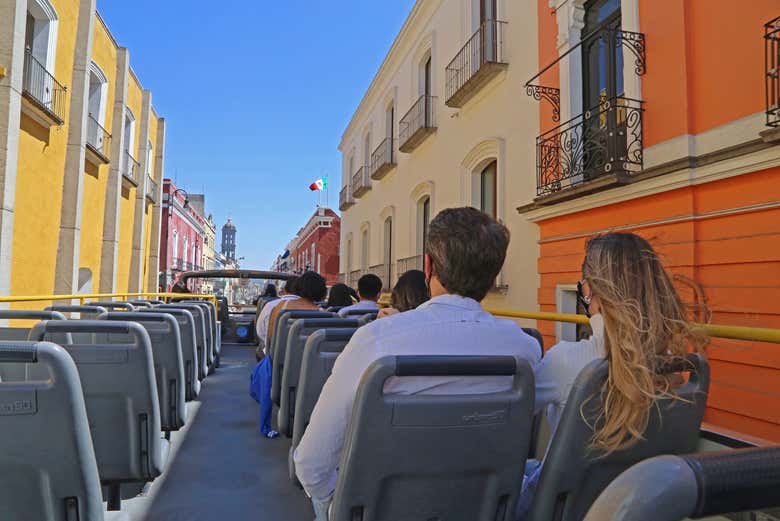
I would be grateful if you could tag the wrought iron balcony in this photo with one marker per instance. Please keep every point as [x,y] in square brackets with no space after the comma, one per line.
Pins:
[772,57]
[409,263]
[417,124]
[478,62]
[130,169]
[345,198]
[178,263]
[44,93]
[98,141]
[383,271]
[361,182]
[604,142]
[152,189]
[383,159]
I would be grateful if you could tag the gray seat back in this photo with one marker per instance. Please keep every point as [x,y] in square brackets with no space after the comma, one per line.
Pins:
[210,327]
[112,305]
[200,335]
[214,322]
[20,372]
[141,304]
[120,392]
[85,312]
[189,349]
[290,371]
[426,456]
[359,312]
[319,354]
[365,318]
[573,474]
[163,330]
[47,465]
[284,322]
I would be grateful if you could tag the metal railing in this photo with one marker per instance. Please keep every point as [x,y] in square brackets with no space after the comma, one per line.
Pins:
[602,141]
[40,86]
[345,198]
[361,182]
[383,271]
[484,48]
[98,138]
[151,189]
[409,263]
[772,68]
[417,123]
[354,276]
[130,168]
[121,296]
[382,160]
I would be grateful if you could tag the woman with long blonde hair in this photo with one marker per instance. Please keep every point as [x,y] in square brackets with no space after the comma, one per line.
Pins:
[639,325]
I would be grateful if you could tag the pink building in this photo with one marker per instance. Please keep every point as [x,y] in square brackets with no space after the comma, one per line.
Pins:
[182,233]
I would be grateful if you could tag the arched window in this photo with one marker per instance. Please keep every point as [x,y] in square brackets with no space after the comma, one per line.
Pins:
[367,150]
[484,191]
[41,32]
[388,252]
[364,250]
[423,219]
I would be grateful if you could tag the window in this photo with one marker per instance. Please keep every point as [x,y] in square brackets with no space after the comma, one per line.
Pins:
[41,32]
[364,250]
[602,58]
[348,267]
[388,251]
[484,189]
[427,89]
[175,248]
[129,132]
[389,118]
[367,150]
[149,155]
[98,93]
[423,218]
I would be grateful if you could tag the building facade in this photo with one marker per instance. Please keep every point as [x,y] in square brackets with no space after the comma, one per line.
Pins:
[316,247]
[668,133]
[82,156]
[183,233]
[441,126]
[209,240]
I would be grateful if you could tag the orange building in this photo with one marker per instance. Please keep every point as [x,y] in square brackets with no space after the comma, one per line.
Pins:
[660,117]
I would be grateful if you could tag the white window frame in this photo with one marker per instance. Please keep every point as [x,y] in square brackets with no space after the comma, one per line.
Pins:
[45,32]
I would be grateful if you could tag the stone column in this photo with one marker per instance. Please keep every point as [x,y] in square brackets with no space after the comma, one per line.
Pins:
[153,268]
[67,268]
[135,281]
[12,26]
[110,245]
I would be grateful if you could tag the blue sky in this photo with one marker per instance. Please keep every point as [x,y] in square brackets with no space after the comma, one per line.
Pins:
[255,96]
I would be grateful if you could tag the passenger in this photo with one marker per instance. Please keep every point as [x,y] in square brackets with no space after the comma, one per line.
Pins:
[466,250]
[311,289]
[265,316]
[369,289]
[269,295]
[638,323]
[409,292]
[340,295]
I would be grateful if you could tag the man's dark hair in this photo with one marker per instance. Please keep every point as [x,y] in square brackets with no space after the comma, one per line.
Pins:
[270,290]
[369,287]
[339,296]
[291,286]
[467,250]
[311,286]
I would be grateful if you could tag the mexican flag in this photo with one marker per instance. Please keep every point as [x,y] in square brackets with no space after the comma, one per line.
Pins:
[319,184]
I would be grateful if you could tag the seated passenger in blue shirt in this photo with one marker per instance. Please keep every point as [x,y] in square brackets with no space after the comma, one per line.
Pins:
[465,252]
[369,290]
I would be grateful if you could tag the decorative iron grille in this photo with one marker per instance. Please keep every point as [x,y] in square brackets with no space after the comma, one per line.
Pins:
[43,89]
[604,140]
[772,59]
[382,159]
[361,182]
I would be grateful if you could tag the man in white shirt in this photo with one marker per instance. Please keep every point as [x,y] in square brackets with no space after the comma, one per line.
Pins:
[465,251]
[369,288]
[265,314]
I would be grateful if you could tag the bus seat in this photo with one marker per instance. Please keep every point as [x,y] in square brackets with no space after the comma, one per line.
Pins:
[213,312]
[291,370]
[673,488]
[151,302]
[335,309]
[357,312]
[423,456]
[365,318]
[141,304]
[47,465]
[538,418]
[165,336]
[319,354]
[113,305]
[573,475]
[120,393]
[284,322]
[200,335]
[189,349]
[210,317]
[85,312]
[20,372]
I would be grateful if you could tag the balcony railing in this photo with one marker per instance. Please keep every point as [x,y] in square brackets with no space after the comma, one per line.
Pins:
[384,272]
[361,182]
[43,90]
[354,276]
[409,263]
[772,58]
[604,141]
[98,139]
[383,159]
[345,198]
[152,189]
[178,263]
[130,168]
[479,61]
[417,124]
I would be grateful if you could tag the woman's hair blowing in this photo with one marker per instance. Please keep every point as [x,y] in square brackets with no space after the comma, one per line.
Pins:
[645,328]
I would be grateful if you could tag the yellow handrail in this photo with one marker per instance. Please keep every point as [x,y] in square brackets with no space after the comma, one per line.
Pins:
[756,334]
[83,297]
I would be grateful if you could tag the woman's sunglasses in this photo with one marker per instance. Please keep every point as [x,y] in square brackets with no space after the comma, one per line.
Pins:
[582,299]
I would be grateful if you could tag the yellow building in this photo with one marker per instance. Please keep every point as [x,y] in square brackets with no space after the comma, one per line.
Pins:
[81,155]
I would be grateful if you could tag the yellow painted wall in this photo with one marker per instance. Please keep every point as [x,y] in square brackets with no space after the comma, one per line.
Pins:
[39,178]
[104,54]
[127,201]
